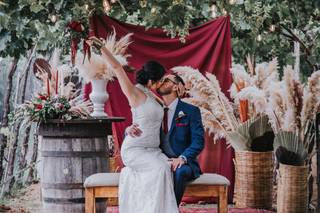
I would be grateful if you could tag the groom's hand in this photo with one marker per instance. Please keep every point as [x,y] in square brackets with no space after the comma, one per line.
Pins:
[134,130]
[176,163]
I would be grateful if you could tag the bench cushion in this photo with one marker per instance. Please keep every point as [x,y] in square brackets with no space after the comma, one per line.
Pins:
[102,179]
[211,179]
[112,179]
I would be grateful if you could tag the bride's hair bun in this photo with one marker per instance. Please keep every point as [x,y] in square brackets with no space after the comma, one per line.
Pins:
[142,77]
[151,70]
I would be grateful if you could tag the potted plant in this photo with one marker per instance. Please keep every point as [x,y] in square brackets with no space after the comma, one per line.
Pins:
[97,71]
[244,126]
[291,107]
[294,124]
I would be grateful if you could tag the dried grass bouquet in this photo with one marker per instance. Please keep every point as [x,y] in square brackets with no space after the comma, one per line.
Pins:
[96,67]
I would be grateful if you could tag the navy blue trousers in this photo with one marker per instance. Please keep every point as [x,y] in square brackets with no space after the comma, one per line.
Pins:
[182,176]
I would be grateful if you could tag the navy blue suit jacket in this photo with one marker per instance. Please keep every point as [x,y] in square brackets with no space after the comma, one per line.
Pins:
[186,135]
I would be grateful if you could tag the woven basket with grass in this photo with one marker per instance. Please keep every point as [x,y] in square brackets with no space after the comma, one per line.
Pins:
[292,189]
[253,187]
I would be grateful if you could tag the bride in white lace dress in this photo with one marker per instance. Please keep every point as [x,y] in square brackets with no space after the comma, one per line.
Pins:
[146,182]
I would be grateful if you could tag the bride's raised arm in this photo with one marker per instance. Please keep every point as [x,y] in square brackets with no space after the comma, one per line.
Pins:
[134,95]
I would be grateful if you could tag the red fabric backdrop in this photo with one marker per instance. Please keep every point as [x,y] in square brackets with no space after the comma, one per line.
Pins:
[208,48]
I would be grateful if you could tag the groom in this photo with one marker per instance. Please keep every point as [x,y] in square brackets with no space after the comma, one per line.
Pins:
[182,134]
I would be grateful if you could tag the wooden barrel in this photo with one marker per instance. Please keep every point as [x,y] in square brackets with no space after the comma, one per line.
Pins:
[70,152]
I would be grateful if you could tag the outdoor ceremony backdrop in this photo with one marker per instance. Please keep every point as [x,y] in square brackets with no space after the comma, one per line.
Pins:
[207,48]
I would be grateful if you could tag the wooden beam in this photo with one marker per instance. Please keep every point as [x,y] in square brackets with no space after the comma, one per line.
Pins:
[90,201]
[106,191]
[223,199]
[202,191]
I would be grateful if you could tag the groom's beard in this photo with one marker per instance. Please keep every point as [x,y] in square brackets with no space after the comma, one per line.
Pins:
[163,92]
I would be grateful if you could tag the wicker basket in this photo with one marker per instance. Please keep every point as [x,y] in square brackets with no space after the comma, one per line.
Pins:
[292,189]
[253,185]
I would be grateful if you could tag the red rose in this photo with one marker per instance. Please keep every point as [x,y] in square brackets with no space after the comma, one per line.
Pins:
[39,106]
[76,26]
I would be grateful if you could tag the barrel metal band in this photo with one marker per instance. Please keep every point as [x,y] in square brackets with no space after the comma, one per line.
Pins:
[68,200]
[62,186]
[73,154]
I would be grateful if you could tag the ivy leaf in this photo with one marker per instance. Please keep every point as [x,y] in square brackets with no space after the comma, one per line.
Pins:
[244,25]
[36,8]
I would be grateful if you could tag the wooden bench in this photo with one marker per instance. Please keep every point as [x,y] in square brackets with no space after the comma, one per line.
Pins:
[105,185]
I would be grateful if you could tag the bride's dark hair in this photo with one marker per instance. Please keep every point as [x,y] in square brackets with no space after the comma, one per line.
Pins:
[151,70]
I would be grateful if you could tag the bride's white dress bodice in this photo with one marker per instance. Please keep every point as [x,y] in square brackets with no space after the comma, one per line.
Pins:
[149,117]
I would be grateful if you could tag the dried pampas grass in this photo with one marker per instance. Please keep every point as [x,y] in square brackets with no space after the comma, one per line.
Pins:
[311,98]
[255,96]
[265,72]
[96,67]
[249,89]
[93,68]
[293,100]
[216,109]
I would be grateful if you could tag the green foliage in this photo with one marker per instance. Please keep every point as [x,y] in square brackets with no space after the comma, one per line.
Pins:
[24,23]
[293,21]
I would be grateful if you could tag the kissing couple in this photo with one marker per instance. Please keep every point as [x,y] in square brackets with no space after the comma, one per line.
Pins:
[161,146]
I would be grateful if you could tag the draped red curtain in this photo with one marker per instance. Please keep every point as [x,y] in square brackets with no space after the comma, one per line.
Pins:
[208,48]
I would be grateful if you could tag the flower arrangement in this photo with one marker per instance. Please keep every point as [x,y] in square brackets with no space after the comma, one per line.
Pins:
[94,67]
[43,107]
[57,98]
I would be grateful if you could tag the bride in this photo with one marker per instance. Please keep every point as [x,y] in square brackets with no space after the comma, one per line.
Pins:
[146,184]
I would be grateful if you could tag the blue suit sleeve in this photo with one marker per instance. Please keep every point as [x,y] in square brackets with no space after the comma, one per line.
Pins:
[197,136]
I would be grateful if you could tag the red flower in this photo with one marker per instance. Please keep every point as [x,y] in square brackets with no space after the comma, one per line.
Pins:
[39,106]
[43,97]
[76,26]
[58,106]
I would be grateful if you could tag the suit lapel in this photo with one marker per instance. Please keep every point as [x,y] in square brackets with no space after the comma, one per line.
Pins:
[173,124]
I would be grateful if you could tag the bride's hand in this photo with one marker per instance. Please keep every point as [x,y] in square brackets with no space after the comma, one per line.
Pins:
[95,42]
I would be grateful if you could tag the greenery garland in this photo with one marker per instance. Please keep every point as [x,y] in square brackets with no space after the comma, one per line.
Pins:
[262,29]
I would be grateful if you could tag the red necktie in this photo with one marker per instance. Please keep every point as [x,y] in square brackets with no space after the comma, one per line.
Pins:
[165,120]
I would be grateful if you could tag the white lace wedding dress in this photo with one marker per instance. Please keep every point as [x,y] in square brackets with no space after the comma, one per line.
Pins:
[146,184]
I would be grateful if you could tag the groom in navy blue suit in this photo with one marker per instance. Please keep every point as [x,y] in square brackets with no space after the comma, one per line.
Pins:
[182,134]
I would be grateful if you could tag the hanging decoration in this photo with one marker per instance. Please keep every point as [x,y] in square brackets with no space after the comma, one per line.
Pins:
[77,32]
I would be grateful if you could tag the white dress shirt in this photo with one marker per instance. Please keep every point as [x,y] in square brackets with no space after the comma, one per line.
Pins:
[172,109]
